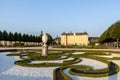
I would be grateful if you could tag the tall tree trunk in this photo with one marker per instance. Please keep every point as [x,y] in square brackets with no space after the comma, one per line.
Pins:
[117,43]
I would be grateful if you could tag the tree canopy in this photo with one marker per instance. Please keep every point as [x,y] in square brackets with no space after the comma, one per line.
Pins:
[4,35]
[111,34]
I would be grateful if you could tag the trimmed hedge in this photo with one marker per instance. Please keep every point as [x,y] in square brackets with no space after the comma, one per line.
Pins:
[60,70]
[112,69]
[26,62]
[78,70]
[13,54]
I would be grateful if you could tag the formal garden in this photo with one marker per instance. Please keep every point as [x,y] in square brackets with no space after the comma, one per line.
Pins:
[66,64]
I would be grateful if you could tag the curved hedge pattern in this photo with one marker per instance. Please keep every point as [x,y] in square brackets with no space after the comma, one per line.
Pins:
[78,70]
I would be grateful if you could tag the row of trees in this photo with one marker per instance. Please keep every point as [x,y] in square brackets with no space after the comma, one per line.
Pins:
[4,35]
[112,34]
[9,36]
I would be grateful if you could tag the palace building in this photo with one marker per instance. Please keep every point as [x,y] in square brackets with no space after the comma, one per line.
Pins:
[74,38]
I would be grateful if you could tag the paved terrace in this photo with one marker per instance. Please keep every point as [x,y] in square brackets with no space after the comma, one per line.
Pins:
[50,48]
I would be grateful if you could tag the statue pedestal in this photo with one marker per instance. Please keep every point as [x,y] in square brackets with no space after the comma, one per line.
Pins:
[44,50]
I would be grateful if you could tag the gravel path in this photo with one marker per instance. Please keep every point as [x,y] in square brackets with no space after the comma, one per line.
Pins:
[9,71]
[94,63]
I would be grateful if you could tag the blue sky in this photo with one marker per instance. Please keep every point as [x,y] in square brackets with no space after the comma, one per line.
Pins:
[57,16]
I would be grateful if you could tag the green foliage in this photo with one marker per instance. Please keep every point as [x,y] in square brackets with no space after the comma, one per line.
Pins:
[58,74]
[111,34]
[53,55]
[64,75]
[19,37]
[11,36]
[18,44]
[91,46]
[16,37]
[49,39]
[5,35]
[78,70]
[115,32]
[87,71]
[13,54]
[1,35]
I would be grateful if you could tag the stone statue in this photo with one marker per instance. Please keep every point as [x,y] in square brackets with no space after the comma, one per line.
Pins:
[44,47]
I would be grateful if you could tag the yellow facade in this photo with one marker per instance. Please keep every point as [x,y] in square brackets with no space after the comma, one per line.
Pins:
[74,38]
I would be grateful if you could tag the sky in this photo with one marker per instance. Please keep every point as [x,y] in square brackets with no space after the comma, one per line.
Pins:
[58,16]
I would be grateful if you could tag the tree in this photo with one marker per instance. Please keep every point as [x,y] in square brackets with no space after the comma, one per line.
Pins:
[92,42]
[11,36]
[38,39]
[24,38]
[115,32]
[27,38]
[19,37]
[31,38]
[5,35]
[16,37]
[50,39]
[1,35]
[111,34]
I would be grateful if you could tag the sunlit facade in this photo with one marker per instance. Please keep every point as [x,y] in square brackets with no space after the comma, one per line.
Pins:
[74,38]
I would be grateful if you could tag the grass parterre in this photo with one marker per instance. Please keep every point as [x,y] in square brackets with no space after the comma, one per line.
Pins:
[78,70]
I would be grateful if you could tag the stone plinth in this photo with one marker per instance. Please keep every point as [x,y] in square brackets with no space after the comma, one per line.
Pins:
[44,47]
[44,50]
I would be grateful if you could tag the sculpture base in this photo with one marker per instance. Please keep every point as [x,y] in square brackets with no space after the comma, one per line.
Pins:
[44,50]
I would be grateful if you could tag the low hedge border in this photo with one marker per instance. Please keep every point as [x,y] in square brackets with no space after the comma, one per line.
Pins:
[64,75]
[60,69]
[95,73]
[26,62]
[89,71]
